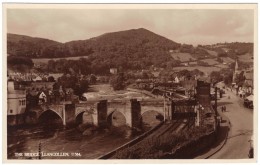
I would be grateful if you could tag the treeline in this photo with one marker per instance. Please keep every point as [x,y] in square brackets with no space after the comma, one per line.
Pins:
[101,65]
[21,64]
[232,49]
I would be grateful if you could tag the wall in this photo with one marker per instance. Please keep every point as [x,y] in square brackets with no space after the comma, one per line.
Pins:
[131,143]
[13,120]
[155,105]
[190,149]
[13,103]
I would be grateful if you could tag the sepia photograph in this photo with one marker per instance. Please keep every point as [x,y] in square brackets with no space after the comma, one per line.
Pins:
[129,81]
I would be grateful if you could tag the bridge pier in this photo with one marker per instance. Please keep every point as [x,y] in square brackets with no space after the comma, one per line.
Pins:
[101,114]
[135,114]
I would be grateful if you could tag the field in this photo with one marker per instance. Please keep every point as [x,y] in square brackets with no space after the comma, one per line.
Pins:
[213,53]
[246,58]
[204,69]
[221,66]
[45,60]
[210,61]
[182,56]
[227,60]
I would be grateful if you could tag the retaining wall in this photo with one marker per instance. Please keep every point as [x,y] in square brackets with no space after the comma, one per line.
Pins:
[131,143]
[190,149]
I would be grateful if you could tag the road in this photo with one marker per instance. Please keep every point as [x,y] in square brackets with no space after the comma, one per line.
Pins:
[241,130]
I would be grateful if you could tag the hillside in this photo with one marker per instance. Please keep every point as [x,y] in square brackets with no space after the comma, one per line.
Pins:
[138,39]
[21,45]
[136,49]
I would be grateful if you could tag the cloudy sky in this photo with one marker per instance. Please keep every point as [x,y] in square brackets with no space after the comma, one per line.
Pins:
[199,26]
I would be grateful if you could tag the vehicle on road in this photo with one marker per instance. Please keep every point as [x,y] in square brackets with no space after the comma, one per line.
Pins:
[251,148]
[248,102]
[241,94]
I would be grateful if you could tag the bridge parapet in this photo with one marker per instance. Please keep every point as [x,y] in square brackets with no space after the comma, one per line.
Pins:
[58,108]
[89,107]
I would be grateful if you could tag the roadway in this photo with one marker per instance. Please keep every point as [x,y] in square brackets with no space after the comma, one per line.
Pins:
[241,130]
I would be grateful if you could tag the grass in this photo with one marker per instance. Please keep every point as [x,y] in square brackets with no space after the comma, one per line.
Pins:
[211,52]
[210,61]
[227,59]
[246,58]
[205,69]
[182,56]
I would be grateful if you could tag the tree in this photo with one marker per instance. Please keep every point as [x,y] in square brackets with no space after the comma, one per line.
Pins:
[51,79]
[240,79]
[92,79]
[216,76]
[117,82]
[80,88]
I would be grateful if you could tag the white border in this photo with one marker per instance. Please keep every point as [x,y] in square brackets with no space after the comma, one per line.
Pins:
[133,1]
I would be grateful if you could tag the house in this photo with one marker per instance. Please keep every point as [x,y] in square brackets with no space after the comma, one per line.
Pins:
[249,81]
[42,97]
[55,75]
[176,80]
[38,78]
[113,70]
[42,86]
[16,104]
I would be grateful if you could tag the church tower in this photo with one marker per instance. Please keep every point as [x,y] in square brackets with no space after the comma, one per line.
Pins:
[235,73]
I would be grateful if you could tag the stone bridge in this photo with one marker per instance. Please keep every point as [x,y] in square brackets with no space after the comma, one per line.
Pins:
[101,113]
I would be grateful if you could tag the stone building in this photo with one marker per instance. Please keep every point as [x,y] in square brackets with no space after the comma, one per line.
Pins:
[16,104]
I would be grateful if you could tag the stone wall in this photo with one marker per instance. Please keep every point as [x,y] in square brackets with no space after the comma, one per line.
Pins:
[190,149]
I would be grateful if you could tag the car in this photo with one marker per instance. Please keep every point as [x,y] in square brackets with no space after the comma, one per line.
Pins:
[251,148]
[241,93]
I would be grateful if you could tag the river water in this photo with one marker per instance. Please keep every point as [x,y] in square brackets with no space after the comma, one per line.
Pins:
[73,142]
[58,142]
[24,142]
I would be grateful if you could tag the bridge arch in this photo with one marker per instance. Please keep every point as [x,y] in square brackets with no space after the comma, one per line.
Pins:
[84,118]
[51,113]
[151,118]
[116,118]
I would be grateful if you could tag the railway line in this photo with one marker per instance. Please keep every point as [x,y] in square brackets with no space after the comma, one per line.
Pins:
[172,127]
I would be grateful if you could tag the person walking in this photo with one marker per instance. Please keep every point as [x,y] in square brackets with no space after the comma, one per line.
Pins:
[225,109]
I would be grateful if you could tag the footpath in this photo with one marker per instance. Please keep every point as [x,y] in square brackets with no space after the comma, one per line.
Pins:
[222,136]
[221,139]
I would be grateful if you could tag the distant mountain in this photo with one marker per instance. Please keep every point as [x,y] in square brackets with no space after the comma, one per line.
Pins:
[138,39]
[136,48]
[133,49]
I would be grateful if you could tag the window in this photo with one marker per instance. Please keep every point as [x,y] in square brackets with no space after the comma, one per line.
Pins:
[11,111]
[20,102]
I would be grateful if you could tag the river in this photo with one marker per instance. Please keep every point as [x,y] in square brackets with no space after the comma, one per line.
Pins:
[72,142]
[55,138]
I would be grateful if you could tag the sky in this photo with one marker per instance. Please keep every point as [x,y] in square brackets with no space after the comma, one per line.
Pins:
[189,26]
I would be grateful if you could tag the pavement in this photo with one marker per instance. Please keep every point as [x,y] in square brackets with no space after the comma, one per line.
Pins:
[221,139]
[235,130]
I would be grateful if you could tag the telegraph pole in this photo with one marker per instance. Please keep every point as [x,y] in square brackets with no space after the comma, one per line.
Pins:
[216,102]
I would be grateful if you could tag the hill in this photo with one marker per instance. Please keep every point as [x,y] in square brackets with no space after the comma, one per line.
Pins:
[21,45]
[133,49]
